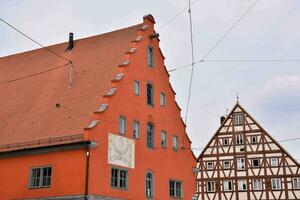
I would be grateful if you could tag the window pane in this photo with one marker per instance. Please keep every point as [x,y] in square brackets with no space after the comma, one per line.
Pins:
[163,138]
[136,87]
[162,99]
[150,135]
[122,125]
[136,129]
[149,185]
[150,94]
[150,56]
[175,143]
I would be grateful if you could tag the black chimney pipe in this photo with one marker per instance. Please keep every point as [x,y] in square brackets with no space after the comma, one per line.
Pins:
[71,42]
[222,119]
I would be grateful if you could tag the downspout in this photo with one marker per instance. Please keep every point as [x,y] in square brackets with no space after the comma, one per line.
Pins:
[86,190]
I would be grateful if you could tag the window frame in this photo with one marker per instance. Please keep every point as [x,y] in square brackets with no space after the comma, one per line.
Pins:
[152,94]
[278,184]
[41,177]
[224,165]
[210,163]
[251,139]
[136,88]
[258,181]
[239,139]
[277,162]
[150,56]
[243,166]
[151,185]
[122,117]
[297,185]
[163,139]
[177,191]
[238,119]
[162,99]
[225,139]
[150,143]
[119,170]
[253,161]
[229,186]
[134,134]
[175,142]
[211,185]
[241,184]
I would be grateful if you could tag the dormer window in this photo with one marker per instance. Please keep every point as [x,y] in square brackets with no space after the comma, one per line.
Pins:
[150,60]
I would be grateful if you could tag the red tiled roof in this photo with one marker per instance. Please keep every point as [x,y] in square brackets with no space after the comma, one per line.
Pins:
[28,109]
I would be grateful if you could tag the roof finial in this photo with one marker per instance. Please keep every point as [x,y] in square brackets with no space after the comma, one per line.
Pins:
[237,97]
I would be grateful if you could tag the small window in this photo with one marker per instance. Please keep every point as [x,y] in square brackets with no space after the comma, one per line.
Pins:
[238,119]
[149,185]
[255,163]
[274,162]
[210,186]
[241,163]
[150,57]
[226,164]
[296,183]
[253,139]
[40,177]
[136,129]
[276,183]
[122,125]
[137,88]
[210,165]
[239,139]
[257,184]
[242,185]
[150,94]
[175,143]
[162,99]
[227,185]
[175,189]
[225,141]
[150,135]
[163,139]
[118,178]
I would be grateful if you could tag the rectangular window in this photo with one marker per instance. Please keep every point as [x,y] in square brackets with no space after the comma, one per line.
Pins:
[150,57]
[226,164]
[175,189]
[122,125]
[40,177]
[276,183]
[241,163]
[136,129]
[296,183]
[162,99]
[227,185]
[255,163]
[209,165]
[242,185]
[210,186]
[257,184]
[163,139]
[274,162]
[253,139]
[118,178]
[137,88]
[150,100]
[239,139]
[175,143]
[238,119]
[225,141]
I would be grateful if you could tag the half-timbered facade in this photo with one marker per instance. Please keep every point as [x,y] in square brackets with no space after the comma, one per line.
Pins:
[243,161]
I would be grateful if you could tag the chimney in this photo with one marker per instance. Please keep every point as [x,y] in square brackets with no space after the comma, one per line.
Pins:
[71,42]
[222,119]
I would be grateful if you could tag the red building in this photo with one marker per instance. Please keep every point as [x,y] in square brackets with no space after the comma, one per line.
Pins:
[103,126]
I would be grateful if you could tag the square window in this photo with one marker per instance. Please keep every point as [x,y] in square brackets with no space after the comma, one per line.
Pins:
[175,143]
[136,129]
[40,177]
[226,164]
[238,119]
[210,165]
[225,141]
[253,139]
[227,185]
[162,99]
[257,184]
[175,189]
[137,88]
[163,139]
[274,162]
[210,186]
[296,183]
[255,163]
[122,124]
[242,185]
[118,178]
[276,183]
[241,163]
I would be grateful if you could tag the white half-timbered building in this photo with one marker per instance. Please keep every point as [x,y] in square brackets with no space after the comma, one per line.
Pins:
[242,161]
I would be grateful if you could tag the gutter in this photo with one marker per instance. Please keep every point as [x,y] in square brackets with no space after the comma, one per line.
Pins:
[88,146]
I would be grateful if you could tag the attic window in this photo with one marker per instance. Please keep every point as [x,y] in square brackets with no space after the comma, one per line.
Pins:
[119,76]
[238,119]
[111,91]
[93,124]
[102,107]
[150,60]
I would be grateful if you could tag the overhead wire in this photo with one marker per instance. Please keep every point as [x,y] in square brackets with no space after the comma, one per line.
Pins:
[36,42]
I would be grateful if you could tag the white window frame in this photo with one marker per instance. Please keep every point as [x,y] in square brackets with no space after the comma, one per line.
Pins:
[163,139]
[272,163]
[226,166]
[223,141]
[176,190]
[252,137]
[238,119]
[136,88]
[162,99]
[175,142]
[210,186]
[122,125]
[257,184]
[253,160]
[296,183]
[119,178]
[239,139]
[241,163]
[136,129]
[242,185]
[276,184]
[210,165]
[227,185]
[39,180]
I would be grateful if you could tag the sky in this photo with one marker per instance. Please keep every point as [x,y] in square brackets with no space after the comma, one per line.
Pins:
[269,91]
